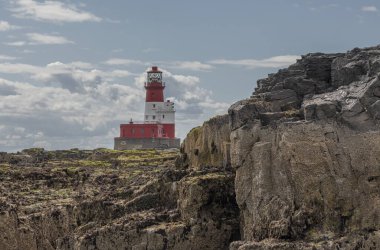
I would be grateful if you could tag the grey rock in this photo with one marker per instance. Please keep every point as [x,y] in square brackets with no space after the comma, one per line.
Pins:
[345,72]
[374,109]
[279,95]
[245,111]
[271,117]
[350,242]
[280,100]
[207,145]
[376,92]
[305,148]
[297,179]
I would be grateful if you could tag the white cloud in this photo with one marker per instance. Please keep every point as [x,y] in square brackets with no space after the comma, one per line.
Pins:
[5,26]
[150,50]
[63,119]
[19,68]
[185,65]
[16,43]
[7,58]
[117,50]
[191,65]
[36,38]
[28,51]
[124,62]
[81,65]
[272,62]
[40,39]
[51,11]
[75,76]
[369,9]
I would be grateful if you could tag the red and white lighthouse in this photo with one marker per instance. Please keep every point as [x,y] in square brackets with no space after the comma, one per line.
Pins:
[158,128]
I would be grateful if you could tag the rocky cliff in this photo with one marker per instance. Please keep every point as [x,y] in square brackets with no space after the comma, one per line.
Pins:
[306,151]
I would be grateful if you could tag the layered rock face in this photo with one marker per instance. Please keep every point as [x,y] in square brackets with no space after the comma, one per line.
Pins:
[306,150]
[207,145]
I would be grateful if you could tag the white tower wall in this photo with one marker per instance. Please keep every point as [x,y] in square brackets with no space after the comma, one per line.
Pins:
[162,112]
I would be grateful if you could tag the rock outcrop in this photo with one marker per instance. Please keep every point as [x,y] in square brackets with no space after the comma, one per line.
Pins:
[207,145]
[306,150]
[107,199]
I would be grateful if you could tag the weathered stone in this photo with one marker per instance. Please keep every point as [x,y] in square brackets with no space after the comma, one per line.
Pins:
[245,111]
[297,175]
[350,242]
[374,109]
[207,196]
[345,71]
[279,95]
[268,118]
[76,203]
[318,66]
[374,67]
[376,92]
[280,100]
[310,183]
[300,85]
[204,146]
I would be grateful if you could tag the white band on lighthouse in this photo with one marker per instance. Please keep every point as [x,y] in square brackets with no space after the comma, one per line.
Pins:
[161,112]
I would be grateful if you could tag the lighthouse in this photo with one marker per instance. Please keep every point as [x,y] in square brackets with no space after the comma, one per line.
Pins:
[158,128]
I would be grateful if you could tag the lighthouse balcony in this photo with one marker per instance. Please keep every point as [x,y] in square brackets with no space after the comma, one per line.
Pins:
[154,84]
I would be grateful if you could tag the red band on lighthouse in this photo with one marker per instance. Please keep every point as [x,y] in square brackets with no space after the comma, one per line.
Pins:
[154,86]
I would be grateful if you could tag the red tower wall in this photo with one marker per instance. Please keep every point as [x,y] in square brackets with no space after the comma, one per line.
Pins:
[135,130]
[154,92]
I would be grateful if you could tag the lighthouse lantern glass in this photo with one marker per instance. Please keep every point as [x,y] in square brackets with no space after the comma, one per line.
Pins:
[154,77]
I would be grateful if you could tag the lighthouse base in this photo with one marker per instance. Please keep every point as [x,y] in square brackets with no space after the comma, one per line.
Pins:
[123,143]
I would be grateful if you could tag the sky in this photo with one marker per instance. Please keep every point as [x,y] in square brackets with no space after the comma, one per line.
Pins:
[72,71]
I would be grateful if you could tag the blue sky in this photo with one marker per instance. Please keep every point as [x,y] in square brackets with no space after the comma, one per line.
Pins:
[72,71]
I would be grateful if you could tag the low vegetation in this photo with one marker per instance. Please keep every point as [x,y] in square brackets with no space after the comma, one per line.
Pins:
[36,176]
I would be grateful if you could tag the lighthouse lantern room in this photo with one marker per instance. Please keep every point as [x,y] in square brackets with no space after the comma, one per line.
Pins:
[158,128]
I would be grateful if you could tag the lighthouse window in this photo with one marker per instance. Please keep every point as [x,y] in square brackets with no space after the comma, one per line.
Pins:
[154,117]
[146,117]
[154,105]
[163,116]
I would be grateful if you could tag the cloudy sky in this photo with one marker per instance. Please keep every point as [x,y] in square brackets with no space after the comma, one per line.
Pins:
[72,71]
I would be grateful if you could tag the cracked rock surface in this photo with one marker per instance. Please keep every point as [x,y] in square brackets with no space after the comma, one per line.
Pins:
[305,148]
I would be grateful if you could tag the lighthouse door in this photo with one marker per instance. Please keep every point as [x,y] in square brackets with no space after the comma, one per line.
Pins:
[160,128]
